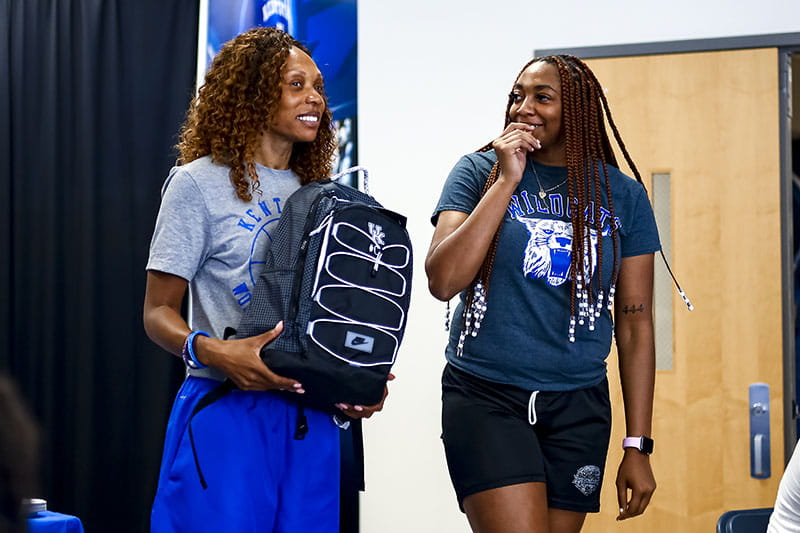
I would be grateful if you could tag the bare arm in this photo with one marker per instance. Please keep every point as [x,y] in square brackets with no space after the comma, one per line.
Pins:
[238,359]
[460,241]
[635,345]
[162,311]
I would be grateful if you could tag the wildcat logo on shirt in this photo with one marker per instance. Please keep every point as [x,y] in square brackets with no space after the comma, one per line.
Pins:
[548,254]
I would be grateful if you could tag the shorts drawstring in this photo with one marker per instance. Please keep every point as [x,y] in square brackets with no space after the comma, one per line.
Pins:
[532,408]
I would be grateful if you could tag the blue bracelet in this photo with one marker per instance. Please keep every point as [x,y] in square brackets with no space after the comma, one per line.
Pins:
[189,357]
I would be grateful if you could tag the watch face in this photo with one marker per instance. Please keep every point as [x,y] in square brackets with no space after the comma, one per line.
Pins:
[647,445]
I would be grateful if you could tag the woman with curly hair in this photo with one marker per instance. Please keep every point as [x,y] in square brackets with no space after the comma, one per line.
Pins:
[544,238]
[257,130]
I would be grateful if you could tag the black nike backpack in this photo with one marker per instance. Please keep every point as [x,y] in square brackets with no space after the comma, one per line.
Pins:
[338,273]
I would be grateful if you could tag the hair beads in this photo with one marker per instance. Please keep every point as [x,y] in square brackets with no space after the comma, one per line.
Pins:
[473,316]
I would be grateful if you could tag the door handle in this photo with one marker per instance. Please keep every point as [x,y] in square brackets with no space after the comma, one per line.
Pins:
[759,431]
[758,447]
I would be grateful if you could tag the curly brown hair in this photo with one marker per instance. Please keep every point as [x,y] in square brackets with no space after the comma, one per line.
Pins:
[241,92]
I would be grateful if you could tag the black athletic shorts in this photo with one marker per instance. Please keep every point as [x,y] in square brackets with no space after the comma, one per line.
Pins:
[497,435]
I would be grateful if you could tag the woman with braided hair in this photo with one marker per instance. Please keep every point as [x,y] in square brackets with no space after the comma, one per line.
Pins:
[250,461]
[544,238]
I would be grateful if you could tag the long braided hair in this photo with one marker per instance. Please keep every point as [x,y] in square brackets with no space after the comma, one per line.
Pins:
[588,152]
[242,91]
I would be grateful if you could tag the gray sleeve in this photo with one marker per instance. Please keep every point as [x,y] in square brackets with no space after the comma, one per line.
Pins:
[180,239]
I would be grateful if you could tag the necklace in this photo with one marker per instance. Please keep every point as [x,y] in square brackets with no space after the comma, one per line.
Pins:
[542,191]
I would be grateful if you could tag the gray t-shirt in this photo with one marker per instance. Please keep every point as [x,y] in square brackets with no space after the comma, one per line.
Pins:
[205,234]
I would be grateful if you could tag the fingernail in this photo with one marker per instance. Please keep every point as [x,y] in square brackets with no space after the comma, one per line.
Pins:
[339,406]
[358,408]
[297,386]
[300,391]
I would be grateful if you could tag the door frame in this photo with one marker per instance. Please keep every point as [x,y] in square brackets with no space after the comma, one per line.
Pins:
[786,43]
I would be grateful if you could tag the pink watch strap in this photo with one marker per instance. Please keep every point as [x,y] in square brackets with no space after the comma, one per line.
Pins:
[632,442]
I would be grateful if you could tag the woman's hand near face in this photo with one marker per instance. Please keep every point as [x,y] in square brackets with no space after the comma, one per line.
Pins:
[240,360]
[512,148]
[460,240]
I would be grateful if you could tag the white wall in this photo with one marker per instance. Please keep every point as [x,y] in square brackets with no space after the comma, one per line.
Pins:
[433,75]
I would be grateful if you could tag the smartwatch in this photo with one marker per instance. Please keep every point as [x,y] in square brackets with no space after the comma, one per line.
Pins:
[643,444]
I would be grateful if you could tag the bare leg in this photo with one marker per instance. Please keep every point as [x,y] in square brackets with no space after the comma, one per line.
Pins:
[520,508]
[565,521]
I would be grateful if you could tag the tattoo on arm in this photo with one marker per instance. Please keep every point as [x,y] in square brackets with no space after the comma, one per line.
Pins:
[633,309]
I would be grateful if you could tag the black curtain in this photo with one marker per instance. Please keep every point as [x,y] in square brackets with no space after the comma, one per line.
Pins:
[92,94]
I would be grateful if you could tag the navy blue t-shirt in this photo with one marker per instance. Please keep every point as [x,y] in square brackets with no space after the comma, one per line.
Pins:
[523,339]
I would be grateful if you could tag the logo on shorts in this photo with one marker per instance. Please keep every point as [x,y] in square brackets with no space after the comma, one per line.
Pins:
[587,479]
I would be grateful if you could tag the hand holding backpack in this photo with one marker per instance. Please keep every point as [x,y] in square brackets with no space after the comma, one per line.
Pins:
[338,273]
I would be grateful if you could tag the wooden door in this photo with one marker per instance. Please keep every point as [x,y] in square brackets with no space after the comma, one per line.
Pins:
[709,121]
